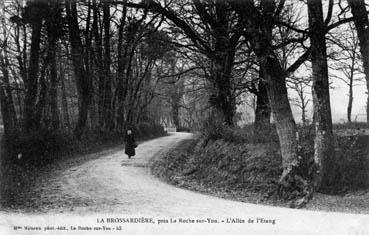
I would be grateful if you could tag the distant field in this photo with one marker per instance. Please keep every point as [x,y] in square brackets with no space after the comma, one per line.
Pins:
[351,132]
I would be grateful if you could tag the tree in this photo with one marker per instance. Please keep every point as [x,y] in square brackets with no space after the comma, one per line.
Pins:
[218,41]
[82,77]
[34,14]
[259,26]
[173,88]
[299,85]
[6,97]
[54,32]
[359,12]
[106,113]
[252,80]
[55,51]
[345,61]
[263,110]
[324,156]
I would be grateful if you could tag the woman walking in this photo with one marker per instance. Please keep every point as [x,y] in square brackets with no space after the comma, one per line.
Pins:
[130,144]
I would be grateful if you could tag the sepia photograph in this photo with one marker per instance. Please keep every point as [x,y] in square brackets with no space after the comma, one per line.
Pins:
[184,117]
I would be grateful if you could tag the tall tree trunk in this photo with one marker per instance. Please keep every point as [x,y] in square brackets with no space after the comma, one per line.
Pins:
[350,101]
[223,99]
[175,95]
[5,112]
[82,78]
[128,86]
[6,100]
[275,77]
[282,115]
[64,100]
[53,91]
[21,59]
[175,115]
[43,95]
[303,111]
[262,111]
[88,60]
[107,103]
[97,32]
[120,94]
[226,102]
[324,156]
[358,10]
[52,43]
[9,113]
[31,84]
[18,95]
[224,50]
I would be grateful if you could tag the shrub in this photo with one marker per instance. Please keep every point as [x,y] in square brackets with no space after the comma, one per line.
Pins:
[352,162]
[158,130]
[214,129]
[42,146]
[183,129]
[351,157]
[147,130]
[37,145]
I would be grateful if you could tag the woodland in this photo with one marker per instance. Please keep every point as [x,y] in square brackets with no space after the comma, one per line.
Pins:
[72,71]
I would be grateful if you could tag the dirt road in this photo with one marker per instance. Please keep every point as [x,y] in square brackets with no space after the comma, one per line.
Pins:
[115,185]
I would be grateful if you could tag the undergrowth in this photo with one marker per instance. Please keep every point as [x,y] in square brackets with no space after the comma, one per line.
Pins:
[42,146]
[229,162]
[244,172]
[24,156]
[215,129]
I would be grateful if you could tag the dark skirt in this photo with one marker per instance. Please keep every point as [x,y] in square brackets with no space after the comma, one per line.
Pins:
[130,146]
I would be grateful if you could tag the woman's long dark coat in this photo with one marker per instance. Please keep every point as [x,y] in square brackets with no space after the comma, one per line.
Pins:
[130,145]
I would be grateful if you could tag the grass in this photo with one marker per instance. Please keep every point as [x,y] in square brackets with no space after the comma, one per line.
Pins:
[241,172]
[352,125]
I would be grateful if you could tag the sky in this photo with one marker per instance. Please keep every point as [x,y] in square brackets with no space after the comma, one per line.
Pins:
[338,98]
[338,94]
[339,101]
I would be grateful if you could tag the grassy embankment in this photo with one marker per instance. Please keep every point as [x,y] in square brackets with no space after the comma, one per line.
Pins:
[238,165]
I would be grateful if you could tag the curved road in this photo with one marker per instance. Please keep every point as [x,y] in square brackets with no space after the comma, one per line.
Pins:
[114,186]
